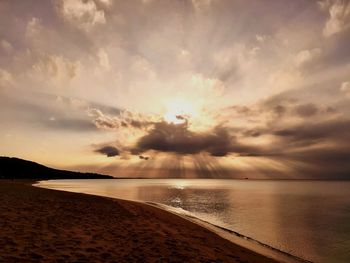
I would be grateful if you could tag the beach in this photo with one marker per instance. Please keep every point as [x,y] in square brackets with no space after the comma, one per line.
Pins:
[41,225]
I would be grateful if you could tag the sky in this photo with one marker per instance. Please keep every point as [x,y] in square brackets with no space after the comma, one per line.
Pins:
[178,88]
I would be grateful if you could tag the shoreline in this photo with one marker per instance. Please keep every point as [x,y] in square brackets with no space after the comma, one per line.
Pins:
[43,225]
[228,234]
[237,238]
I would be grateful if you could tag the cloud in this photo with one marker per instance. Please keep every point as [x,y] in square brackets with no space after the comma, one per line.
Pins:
[345,88]
[287,124]
[55,69]
[33,29]
[332,131]
[177,138]
[83,14]
[330,162]
[202,5]
[103,121]
[45,112]
[261,38]
[306,110]
[120,119]
[300,135]
[281,112]
[109,151]
[107,3]
[306,56]
[103,59]
[317,141]
[6,46]
[143,157]
[339,16]
[6,78]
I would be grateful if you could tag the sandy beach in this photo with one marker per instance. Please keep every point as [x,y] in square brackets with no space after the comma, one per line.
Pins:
[40,225]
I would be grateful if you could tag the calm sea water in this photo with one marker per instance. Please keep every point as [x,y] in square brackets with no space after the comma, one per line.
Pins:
[309,219]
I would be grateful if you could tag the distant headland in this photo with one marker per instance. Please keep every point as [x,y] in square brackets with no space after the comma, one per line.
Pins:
[15,168]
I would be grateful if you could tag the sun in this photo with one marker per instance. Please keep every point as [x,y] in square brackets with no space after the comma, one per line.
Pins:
[177,111]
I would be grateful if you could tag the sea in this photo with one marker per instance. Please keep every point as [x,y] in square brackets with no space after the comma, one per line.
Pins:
[304,218]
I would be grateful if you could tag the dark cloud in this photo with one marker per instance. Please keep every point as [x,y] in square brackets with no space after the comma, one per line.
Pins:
[309,149]
[279,110]
[303,134]
[316,145]
[284,106]
[333,130]
[177,138]
[109,151]
[254,132]
[244,110]
[306,110]
[329,162]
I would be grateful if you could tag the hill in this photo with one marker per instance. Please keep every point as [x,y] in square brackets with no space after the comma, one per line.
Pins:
[15,168]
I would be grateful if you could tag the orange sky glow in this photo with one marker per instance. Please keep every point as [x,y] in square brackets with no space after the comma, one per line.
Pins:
[195,89]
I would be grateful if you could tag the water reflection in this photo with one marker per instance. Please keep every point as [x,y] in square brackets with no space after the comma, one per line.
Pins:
[190,199]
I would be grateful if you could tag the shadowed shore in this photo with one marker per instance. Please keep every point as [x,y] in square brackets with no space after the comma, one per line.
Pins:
[41,225]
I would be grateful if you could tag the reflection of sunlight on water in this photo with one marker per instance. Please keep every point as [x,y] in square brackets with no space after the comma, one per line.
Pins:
[176,201]
[179,184]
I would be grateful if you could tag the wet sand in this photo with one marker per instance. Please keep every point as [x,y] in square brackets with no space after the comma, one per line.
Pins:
[41,225]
